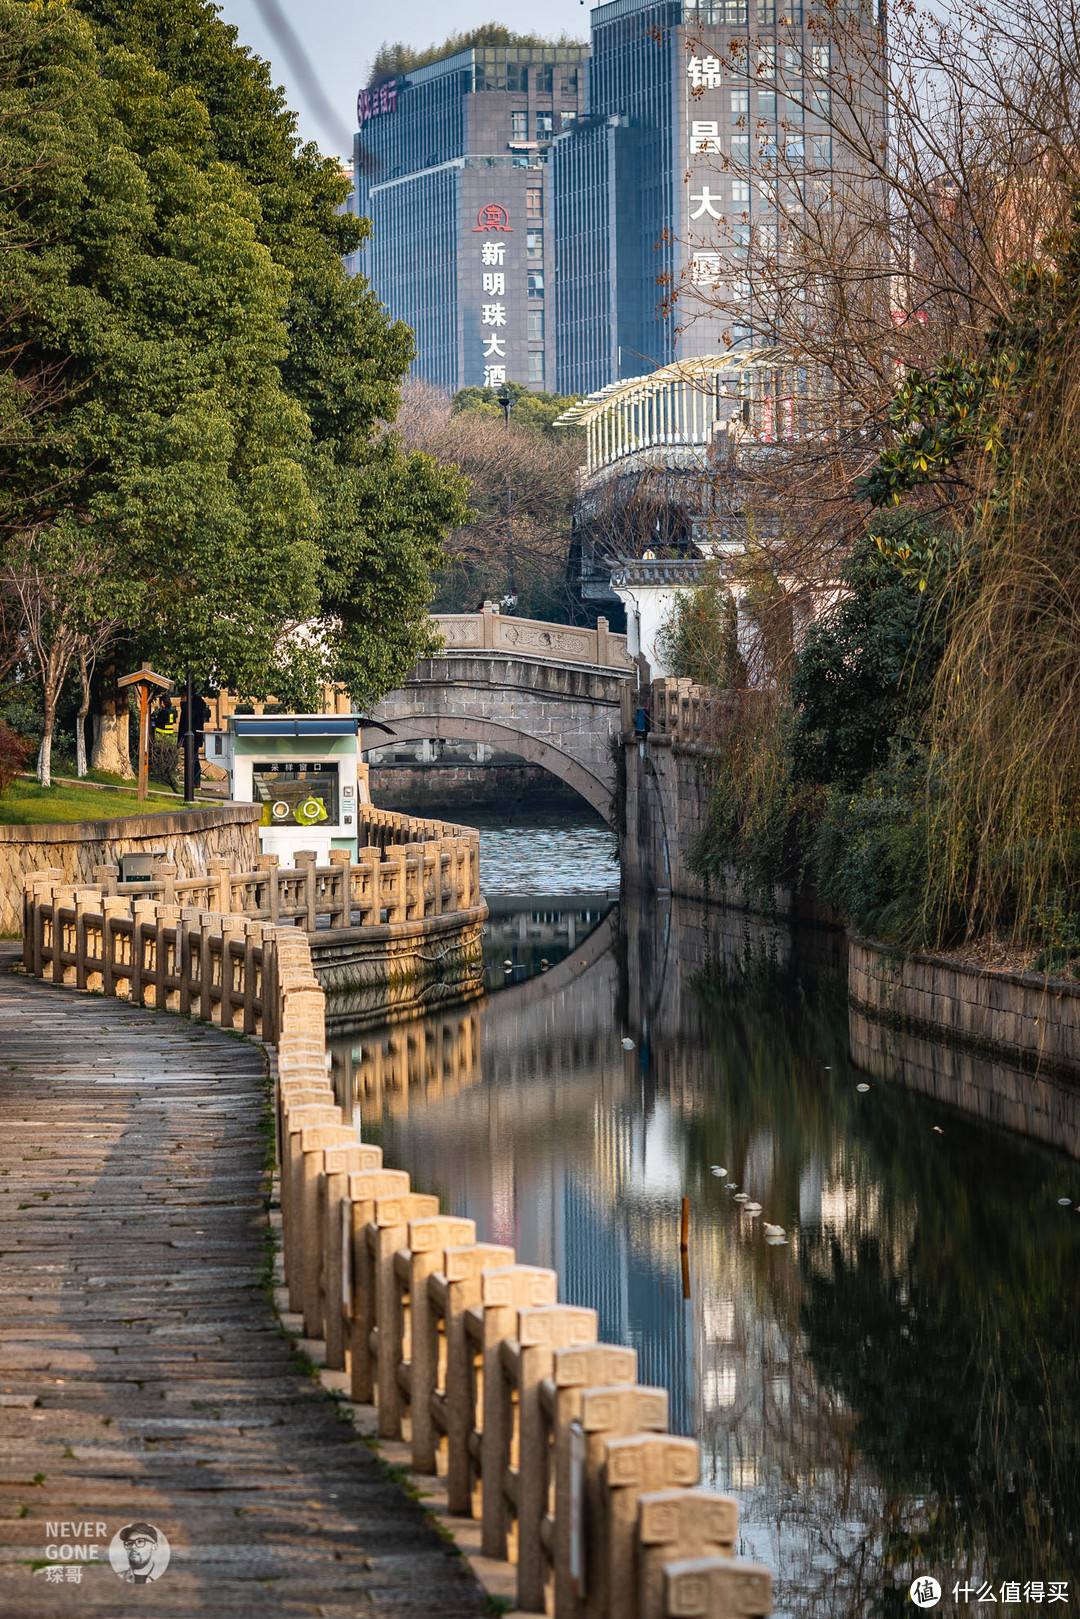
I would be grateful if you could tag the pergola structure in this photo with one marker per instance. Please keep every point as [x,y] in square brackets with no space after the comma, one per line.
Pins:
[679,410]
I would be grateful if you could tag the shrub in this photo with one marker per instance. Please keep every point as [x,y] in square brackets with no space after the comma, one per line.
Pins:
[14,753]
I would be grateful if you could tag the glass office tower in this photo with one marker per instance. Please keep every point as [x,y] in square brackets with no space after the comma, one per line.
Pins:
[658,191]
[451,169]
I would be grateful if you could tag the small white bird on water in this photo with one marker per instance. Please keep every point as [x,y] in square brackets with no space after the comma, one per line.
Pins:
[742,1197]
[772,1230]
[716,1169]
[862,1087]
[627,1043]
[752,1208]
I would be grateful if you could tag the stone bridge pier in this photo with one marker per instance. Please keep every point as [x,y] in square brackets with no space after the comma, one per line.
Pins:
[551,711]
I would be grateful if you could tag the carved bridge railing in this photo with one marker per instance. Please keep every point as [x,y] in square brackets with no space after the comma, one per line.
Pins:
[492,631]
[538,1430]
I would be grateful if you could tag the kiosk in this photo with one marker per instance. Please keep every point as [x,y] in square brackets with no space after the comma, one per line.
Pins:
[305,771]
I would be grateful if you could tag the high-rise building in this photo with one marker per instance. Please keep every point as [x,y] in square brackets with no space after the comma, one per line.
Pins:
[658,188]
[451,169]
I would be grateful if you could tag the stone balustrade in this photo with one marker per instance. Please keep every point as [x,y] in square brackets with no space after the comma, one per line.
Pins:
[410,870]
[540,1432]
[505,634]
[695,715]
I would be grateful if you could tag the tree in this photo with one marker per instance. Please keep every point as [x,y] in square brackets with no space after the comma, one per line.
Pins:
[700,639]
[535,467]
[221,442]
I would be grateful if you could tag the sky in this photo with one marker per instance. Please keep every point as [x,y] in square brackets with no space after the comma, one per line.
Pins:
[340,37]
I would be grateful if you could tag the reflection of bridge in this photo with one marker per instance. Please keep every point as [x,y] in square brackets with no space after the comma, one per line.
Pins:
[550,693]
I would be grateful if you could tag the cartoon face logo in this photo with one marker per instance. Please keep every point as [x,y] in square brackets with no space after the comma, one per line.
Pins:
[493,216]
[139,1553]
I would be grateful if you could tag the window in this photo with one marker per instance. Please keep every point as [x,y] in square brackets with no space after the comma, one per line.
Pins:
[536,365]
[294,794]
[517,76]
[534,244]
[544,126]
[820,100]
[821,151]
[740,149]
[534,208]
[534,321]
[536,283]
[796,150]
[766,13]
[792,61]
[568,119]
[741,235]
[766,105]
[740,193]
[822,60]
[740,105]
[766,68]
[519,126]
[542,78]
[569,83]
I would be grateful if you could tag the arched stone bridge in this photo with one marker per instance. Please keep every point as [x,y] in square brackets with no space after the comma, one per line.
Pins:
[550,693]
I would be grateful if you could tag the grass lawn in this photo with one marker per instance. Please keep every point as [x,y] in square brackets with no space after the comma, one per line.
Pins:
[25,803]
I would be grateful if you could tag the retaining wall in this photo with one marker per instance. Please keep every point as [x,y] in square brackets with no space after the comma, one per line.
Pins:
[1031,1020]
[188,839]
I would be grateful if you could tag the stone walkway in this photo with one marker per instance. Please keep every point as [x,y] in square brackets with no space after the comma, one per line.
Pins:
[143,1376]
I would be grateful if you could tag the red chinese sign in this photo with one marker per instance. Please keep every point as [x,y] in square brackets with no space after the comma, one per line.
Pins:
[493,216]
[373,103]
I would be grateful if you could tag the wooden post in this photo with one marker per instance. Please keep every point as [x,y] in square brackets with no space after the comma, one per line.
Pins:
[145,683]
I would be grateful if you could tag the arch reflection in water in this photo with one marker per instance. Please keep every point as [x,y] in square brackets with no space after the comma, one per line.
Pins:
[876,1385]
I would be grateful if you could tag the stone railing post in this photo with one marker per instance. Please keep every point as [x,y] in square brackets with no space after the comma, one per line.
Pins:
[658,1461]
[394,879]
[341,913]
[305,861]
[384,1234]
[607,1414]
[457,1291]
[166,965]
[220,870]
[502,1294]
[296,1120]
[676,1524]
[358,1207]
[540,1332]
[114,908]
[88,918]
[311,1165]
[339,1163]
[702,1587]
[421,1257]
[573,1371]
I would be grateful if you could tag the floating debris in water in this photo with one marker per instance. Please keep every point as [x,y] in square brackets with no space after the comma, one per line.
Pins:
[774,1241]
[862,1087]
[772,1230]
[742,1197]
[752,1208]
[731,1185]
[718,1171]
[508,965]
[627,1043]
[1066,1202]
[938,1131]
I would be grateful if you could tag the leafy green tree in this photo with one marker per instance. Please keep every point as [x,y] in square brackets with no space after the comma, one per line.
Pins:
[867,666]
[216,447]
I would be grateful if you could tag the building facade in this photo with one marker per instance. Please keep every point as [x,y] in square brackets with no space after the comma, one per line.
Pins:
[451,169]
[706,120]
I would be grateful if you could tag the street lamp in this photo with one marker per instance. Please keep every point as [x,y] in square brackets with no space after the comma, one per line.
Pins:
[506,399]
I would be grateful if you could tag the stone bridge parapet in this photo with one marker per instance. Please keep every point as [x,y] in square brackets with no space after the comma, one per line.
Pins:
[553,694]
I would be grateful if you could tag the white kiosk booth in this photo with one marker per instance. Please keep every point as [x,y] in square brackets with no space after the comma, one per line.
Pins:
[305,771]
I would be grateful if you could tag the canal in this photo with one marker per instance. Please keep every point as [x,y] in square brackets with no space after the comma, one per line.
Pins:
[890,1386]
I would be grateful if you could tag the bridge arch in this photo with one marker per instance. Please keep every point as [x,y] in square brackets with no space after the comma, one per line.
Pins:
[535,751]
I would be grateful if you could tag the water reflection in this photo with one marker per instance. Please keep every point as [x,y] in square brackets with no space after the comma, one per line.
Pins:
[892,1390]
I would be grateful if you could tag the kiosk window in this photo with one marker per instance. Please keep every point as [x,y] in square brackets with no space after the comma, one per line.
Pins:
[294,794]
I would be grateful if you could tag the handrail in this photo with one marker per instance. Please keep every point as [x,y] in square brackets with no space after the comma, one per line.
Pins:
[533,1422]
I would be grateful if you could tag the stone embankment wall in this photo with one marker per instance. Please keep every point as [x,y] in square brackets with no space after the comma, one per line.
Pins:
[1028,1019]
[188,839]
[463,786]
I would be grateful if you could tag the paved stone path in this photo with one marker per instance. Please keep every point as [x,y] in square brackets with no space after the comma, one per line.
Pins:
[142,1372]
